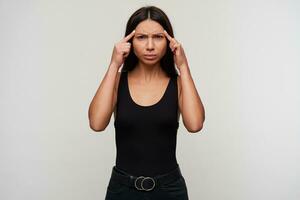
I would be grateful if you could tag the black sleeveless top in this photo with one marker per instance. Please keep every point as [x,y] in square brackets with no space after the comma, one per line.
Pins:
[146,136]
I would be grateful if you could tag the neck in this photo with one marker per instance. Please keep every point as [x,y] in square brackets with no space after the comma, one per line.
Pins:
[146,73]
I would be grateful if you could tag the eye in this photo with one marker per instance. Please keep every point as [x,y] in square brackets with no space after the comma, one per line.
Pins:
[141,37]
[159,36]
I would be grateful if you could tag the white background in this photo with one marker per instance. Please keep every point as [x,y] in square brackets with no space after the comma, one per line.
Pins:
[244,59]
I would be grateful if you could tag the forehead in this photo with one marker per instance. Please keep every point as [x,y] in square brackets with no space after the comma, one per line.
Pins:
[149,27]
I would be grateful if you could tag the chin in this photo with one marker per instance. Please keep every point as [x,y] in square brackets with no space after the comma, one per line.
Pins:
[152,62]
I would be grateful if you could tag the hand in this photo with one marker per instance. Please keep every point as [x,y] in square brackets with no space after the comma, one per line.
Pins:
[121,50]
[177,49]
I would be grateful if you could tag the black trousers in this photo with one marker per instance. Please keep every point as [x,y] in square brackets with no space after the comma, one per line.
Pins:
[168,186]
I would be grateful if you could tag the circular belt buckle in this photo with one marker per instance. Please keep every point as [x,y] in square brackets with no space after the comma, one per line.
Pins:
[144,178]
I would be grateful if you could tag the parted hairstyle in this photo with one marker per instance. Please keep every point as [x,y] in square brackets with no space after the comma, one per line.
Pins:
[156,14]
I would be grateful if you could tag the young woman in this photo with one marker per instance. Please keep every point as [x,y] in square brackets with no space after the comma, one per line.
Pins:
[147,97]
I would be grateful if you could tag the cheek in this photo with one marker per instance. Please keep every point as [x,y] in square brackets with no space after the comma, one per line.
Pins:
[136,46]
[163,48]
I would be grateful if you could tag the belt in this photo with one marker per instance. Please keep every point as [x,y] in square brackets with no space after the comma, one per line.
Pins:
[145,183]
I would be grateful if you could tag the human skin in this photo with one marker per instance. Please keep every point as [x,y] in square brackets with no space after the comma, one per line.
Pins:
[149,38]
[153,41]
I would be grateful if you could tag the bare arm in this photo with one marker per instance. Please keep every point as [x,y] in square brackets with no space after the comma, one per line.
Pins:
[191,107]
[103,103]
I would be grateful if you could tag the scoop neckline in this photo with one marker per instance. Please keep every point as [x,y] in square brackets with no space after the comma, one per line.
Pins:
[152,105]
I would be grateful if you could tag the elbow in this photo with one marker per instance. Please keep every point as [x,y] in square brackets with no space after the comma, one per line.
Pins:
[196,128]
[96,123]
[197,125]
[96,128]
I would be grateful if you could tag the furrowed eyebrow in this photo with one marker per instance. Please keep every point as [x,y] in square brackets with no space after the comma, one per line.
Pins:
[150,34]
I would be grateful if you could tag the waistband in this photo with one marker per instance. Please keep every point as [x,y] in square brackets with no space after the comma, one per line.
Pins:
[145,183]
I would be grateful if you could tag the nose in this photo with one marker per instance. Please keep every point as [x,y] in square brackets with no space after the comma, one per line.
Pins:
[150,45]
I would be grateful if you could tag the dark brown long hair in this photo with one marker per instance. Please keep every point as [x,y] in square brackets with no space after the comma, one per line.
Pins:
[156,14]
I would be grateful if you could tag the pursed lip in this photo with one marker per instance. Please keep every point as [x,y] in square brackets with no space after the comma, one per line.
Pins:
[149,55]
